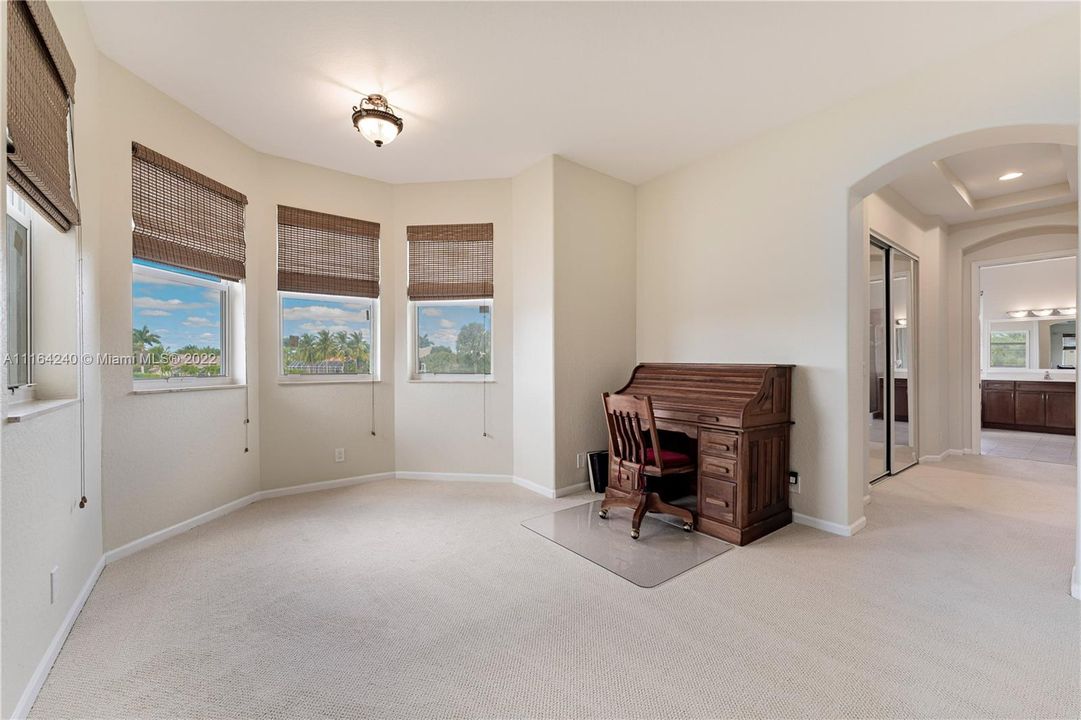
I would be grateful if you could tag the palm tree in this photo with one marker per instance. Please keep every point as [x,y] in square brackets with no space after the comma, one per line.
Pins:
[306,348]
[358,349]
[140,340]
[324,345]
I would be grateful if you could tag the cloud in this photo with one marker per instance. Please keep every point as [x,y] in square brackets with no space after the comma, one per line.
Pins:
[314,327]
[155,313]
[447,337]
[212,295]
[208,336]
[150,303]
[195,321]
[324,313]
[431,312]
[445,323]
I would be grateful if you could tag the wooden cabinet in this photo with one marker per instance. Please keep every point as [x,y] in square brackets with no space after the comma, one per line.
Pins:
[1029,405]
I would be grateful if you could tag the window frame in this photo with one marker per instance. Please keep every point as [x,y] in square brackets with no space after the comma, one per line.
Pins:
[18,209]
[227,288]
[1027,332]
[416,376]
[329,379]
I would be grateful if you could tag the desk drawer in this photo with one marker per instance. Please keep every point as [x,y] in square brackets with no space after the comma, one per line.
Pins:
[718,467]
[718,444]
[717,499]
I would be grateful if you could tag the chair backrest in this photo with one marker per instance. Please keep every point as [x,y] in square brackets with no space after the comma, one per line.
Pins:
[628,417]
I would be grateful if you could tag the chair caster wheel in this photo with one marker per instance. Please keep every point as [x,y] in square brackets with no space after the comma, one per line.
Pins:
[634,534]
[603,514]
[688,527]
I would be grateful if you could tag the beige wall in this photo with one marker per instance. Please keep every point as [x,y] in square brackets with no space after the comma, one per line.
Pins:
[769,235]
[594,308]
[42,527]
[533,220]
[301,424]
[440,425]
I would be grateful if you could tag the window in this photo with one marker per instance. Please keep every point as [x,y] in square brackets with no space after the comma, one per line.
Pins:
[179,324]
[452,338]
[1009,349]
[17,263]
[1069,350]
[327,335]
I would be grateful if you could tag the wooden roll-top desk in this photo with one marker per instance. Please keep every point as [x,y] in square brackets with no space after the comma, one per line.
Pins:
[739,417]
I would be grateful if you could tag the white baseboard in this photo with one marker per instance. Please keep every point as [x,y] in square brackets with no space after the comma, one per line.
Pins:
[322,485]
[156,537]
[830,527]
[451,477]
[1075,583]
[30,694]
[943,455]
[534,487]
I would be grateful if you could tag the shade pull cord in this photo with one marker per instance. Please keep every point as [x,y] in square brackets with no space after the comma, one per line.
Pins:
[487,374]
[79,305]
[371,386]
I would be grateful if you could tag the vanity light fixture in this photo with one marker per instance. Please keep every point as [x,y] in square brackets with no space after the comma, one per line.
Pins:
[1012,175]
[376,120]
[1018,313]
[1042,313]
[1067,311]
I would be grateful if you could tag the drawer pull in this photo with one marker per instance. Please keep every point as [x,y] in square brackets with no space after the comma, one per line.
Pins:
[722,503]
[708,418]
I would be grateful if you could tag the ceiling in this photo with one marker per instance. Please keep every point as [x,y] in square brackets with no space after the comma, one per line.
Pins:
[1029,286]
[966,187]
[487,89]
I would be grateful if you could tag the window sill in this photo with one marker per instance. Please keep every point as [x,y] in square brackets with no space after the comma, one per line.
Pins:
[23,411]
[315,380]
[189,388]
[459,379]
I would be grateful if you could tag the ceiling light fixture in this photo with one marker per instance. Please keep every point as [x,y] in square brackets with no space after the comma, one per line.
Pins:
[1042,313]
[376,120]
[1010,176]
[1018,313]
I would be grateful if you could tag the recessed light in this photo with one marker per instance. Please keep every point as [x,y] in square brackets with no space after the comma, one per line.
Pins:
[1010,176]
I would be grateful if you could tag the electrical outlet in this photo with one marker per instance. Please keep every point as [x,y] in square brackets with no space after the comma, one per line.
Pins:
[581,460]
[339,454]
[793,481]
[53,589]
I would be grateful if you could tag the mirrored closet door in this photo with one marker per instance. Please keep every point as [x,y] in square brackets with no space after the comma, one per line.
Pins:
[892,435]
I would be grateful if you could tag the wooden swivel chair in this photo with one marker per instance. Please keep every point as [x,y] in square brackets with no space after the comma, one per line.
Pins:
[630,422]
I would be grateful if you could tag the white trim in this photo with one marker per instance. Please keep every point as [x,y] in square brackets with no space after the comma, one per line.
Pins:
[830,527]
[534,487]
[321,485]
[23,411]
[1075,583]
[30,694]
[162,390]
[452,477]
[181,527]
[943,455]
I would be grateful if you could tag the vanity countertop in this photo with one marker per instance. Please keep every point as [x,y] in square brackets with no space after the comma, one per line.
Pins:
[1026,377]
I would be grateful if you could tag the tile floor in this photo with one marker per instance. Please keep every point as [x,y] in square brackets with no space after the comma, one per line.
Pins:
[1060,449]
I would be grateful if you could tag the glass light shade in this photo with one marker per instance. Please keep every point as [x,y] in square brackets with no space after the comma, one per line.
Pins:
[378,130]
[1018,313]
[1067,311]
[1042,313]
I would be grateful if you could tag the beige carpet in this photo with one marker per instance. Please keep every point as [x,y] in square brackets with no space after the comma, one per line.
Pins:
[414,599]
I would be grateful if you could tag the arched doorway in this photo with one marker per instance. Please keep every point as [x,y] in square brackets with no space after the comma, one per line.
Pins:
[859,304]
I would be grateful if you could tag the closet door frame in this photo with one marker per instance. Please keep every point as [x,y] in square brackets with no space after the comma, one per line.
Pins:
[890,249]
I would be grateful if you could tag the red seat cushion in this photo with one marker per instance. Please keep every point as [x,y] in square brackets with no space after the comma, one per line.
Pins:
[669,457]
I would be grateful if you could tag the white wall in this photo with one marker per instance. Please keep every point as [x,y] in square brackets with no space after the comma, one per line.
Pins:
[39,459]
[533,220]
[759,237]
[440,425]
[595,309]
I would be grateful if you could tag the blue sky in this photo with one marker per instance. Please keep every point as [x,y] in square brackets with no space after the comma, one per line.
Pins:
[310,315]
[180,314]
[442,323]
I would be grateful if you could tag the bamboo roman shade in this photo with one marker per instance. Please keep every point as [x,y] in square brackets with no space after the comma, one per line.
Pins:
[450,262]
[183,218]
[329,254]
[41,82]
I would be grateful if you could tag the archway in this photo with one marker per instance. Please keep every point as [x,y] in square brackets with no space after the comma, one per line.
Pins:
[858,275]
